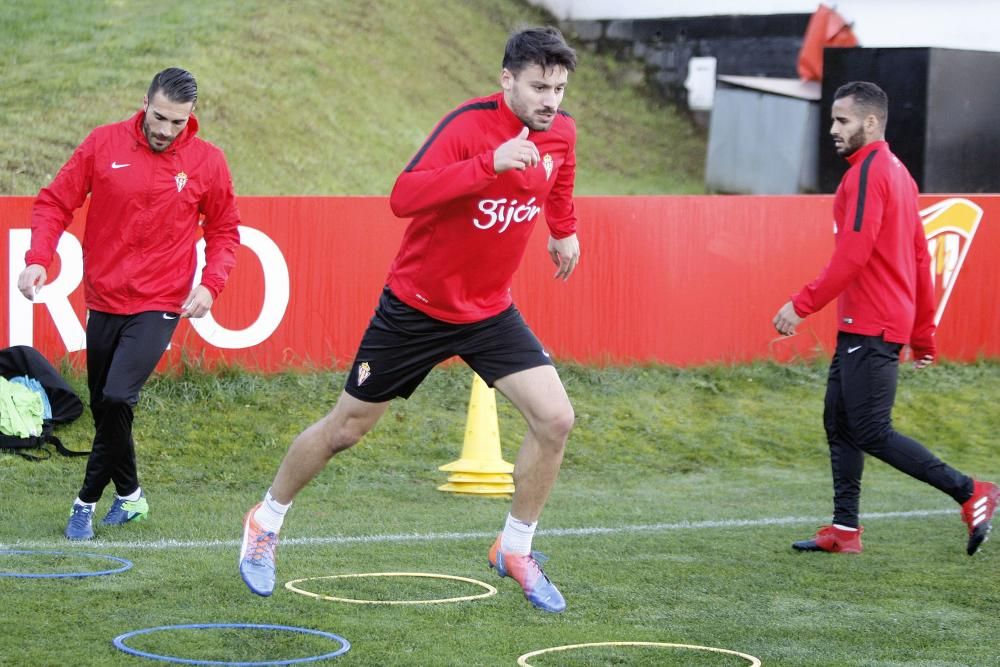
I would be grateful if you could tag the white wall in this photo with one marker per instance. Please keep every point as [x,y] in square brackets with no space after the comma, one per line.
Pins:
[959,24]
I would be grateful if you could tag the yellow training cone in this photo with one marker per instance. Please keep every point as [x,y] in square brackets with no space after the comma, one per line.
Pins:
[482,490]
[481,478]
[481,468]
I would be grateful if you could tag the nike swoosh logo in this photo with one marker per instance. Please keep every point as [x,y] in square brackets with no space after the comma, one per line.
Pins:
[169,316]
[115,165]
[852,350]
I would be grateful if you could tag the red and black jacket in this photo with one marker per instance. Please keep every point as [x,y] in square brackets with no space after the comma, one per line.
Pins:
[880,271]
[470,225]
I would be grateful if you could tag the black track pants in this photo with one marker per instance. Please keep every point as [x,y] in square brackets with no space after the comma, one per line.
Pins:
[122,352]
[860,392]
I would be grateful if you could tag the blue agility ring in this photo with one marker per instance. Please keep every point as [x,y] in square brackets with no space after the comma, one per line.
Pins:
[119,643]
[125,565]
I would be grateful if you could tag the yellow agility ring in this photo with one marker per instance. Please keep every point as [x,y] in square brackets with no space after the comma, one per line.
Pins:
[490,590]
[523,660]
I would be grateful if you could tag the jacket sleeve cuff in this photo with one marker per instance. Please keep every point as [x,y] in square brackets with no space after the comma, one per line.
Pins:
[801,308]
[32,257]
[561,232]
[488,164]
[213,290]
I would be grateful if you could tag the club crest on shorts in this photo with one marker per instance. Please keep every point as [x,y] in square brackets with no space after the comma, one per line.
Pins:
[547,164]
[364,372]
[181,179]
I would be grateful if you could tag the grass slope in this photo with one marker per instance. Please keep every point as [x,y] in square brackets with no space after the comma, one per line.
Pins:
[313,97]
[680,494]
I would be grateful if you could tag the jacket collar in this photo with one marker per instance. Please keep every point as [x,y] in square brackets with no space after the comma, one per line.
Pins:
[866,150]
[509,119]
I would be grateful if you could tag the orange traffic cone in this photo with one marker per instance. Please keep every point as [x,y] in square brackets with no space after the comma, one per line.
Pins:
[481,469]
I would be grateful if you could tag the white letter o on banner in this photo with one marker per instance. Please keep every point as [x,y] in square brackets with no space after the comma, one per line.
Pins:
[276,290]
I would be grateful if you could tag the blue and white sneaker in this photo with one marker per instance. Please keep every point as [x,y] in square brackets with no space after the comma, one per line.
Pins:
[81,523]
[122,511]
[527,571]
[257,558]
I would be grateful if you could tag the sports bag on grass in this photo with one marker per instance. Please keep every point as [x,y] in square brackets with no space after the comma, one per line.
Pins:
[21,361]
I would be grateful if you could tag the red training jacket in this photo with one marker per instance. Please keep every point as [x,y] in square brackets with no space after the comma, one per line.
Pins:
[139,240]
[880,268]
[470,226]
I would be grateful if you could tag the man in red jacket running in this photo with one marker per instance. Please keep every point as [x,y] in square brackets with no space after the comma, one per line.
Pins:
[473,191]
[150,180]
[880,275]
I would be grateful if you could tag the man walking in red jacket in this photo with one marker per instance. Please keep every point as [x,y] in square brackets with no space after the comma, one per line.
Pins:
[150,180]
[474,191]
[880,276]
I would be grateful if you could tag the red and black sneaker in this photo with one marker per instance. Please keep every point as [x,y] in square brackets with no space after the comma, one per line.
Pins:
[977,513]
[834,540]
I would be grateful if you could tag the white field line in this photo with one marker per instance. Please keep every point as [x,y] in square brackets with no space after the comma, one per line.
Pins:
[156,545]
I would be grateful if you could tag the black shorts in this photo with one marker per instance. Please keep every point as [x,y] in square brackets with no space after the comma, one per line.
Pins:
[402,345]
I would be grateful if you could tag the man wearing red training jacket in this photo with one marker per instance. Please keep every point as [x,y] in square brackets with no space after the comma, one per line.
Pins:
[474,191]
[150,181]
[880,273]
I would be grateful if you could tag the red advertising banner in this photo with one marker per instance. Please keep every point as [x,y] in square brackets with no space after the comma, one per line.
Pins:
[675,280]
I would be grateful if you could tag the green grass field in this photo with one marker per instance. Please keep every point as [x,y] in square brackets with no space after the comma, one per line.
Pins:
[671,522]
[681,489]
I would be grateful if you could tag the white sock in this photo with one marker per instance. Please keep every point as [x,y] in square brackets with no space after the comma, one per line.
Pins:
[271,514]
[847,528]
[516,537]
[132,496]
[80,502]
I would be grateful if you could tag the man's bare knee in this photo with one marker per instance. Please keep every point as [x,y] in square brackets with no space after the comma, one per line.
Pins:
[342,434]
[554,429]
[345,426]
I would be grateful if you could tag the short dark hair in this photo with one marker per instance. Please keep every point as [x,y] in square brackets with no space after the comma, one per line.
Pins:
[176,84]
[544,46]
[868,96]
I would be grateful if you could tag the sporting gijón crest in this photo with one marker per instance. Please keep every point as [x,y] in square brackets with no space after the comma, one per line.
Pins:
[950,226]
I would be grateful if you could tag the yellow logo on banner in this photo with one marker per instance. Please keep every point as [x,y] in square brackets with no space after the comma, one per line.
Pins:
[950,226]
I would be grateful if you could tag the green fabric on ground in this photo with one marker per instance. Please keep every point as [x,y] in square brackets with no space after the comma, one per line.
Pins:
[20,410]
